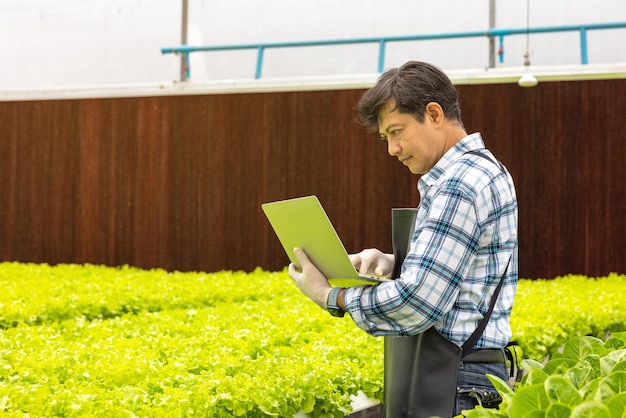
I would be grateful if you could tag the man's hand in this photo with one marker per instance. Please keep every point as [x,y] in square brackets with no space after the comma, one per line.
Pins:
[373,262]
[310,280]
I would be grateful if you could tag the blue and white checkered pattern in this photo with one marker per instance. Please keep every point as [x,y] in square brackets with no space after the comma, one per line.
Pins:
[465,235]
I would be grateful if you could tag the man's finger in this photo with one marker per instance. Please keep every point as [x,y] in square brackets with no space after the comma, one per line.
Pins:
[300,255]
[365,266]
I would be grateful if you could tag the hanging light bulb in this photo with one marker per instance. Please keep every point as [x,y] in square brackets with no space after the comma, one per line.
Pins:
[527,79]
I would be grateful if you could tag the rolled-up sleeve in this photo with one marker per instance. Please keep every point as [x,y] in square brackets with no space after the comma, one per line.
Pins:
[443,246]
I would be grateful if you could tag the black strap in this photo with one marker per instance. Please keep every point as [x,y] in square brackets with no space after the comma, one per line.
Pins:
[480,154]
[478,332]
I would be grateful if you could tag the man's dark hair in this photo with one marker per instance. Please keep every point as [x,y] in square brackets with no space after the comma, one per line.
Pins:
[412,86]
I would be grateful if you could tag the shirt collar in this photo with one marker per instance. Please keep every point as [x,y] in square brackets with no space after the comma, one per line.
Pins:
[470,142]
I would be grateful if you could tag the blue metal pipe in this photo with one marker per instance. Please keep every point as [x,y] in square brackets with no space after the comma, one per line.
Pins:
[381,55]
[187,65]
[583,46]
[501,49]
[259,61]
[547,29]
[382,41]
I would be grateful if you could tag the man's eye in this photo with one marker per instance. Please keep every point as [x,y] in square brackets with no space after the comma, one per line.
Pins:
[383,138]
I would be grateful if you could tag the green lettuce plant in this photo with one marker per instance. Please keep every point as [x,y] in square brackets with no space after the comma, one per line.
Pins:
[546,313]
[98,341]
[94,341]
[587,379]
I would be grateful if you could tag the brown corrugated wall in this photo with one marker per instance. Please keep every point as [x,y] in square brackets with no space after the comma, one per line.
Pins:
[177,182]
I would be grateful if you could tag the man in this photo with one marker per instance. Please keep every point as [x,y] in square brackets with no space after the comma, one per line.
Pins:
[463,245]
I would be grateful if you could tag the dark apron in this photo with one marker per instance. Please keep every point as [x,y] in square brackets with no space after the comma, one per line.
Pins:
[420,371]
[421,375]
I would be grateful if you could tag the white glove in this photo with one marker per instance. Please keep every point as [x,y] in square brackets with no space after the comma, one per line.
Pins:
[373,262]
[310,280]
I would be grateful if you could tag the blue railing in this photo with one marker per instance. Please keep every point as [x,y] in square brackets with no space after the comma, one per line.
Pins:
[382,42]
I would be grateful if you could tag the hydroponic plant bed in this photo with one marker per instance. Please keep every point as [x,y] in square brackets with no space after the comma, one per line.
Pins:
[85,340]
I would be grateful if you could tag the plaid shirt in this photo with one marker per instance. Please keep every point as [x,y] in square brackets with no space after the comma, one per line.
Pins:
[465,235]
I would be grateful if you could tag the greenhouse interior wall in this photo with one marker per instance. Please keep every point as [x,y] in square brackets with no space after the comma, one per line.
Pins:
[176,180]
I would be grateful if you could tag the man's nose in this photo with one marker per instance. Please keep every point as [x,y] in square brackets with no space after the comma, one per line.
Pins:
[392,147]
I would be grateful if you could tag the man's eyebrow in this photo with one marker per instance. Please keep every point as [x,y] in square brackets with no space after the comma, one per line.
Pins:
[389,128]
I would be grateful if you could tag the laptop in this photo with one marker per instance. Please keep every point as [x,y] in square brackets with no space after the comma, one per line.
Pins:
[303,223]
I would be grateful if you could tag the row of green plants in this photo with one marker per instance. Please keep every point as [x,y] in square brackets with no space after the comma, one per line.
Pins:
[105,342]
[86,340]
[587,379]
[547,313]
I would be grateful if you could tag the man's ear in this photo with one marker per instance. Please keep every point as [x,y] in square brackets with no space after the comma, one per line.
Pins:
[434,113]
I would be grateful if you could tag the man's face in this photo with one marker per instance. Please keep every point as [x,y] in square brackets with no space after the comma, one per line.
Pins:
[416,145]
